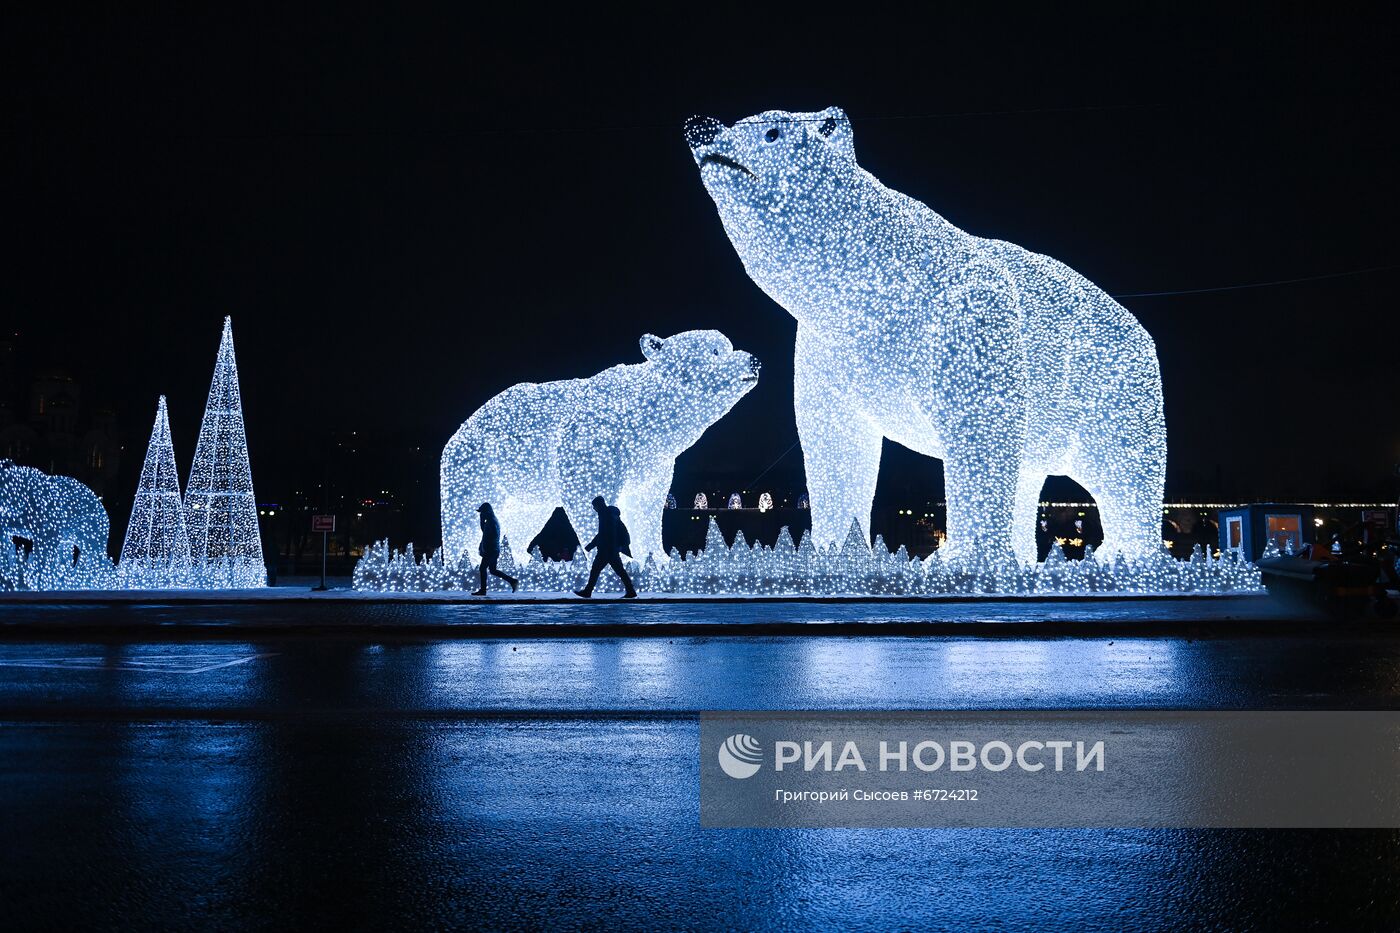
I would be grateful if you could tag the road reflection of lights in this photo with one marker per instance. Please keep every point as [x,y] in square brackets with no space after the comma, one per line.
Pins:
[1071,673]
[842,670]
[650,668]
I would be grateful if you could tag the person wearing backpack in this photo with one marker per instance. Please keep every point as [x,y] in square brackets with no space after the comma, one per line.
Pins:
[612,541]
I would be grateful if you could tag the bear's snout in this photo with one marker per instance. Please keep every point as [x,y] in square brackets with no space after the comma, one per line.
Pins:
[701,131]
[754,367]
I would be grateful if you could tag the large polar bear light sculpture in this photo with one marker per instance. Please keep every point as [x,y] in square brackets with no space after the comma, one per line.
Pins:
[617,434]
[1007,365]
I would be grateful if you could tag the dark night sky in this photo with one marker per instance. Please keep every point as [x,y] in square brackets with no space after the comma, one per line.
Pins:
[407,213]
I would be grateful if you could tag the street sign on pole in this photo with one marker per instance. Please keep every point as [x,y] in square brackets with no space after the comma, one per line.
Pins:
[325,524]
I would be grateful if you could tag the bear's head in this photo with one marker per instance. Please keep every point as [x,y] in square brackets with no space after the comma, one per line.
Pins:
[775,171]
[701,371]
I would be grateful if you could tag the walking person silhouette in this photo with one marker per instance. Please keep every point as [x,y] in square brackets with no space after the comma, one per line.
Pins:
[490,549]
[612,541]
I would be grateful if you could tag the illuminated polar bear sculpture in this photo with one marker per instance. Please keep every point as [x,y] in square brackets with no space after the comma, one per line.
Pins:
[617,434]
[1007,365]
[57,514]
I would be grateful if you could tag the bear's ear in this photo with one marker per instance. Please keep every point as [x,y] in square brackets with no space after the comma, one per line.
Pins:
[651,345]
[834,126]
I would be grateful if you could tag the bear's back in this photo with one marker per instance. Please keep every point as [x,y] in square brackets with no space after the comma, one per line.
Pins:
[528,408]
[536,415]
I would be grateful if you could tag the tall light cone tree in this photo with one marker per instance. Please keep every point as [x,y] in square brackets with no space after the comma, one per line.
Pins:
[220,509]
[157,542]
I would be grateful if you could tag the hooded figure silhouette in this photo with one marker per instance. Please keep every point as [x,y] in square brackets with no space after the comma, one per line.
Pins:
[490,549]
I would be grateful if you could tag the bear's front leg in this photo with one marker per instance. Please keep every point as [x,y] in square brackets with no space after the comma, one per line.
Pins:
[981,408]
[840,445]
[981,503]
[643,506]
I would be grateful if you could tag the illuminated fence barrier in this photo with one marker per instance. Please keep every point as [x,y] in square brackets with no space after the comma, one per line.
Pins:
[803,569]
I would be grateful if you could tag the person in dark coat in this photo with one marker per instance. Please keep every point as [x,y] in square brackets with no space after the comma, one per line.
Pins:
[490,549]
[612,541]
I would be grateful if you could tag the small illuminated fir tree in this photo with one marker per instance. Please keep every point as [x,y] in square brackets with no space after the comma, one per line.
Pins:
[221,512]
[156,551]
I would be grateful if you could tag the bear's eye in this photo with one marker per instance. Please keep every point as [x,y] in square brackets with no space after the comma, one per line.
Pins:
[772,135]
[715,352]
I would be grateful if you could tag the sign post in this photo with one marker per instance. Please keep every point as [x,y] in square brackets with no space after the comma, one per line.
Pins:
[325,524]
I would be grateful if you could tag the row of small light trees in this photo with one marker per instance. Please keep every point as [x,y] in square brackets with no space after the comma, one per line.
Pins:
[801,568]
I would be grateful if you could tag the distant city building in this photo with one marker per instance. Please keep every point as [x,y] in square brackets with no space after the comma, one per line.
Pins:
[45,423]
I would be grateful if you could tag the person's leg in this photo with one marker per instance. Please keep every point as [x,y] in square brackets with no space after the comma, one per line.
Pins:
[503,576]
[481,590]
[599,562]
[616,563]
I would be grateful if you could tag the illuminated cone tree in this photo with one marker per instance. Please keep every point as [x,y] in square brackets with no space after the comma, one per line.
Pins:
[221,512]
[157,545]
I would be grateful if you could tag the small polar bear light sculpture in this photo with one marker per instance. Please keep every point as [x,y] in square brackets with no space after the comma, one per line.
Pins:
[1007,365]
[617,434]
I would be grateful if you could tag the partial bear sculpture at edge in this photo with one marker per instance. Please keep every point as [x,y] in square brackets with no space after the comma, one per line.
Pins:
[62,519]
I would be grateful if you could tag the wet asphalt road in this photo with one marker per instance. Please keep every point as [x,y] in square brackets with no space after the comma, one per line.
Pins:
[335,783]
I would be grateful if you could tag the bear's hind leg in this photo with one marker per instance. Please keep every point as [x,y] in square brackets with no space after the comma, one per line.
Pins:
[520,522]
[1023,516]
[1129,496]
[982,495]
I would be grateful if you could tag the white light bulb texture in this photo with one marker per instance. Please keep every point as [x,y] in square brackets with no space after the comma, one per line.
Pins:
[65,525]
[156,552]
[1006,364]
[538,446]
[803,569]
[221,511]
